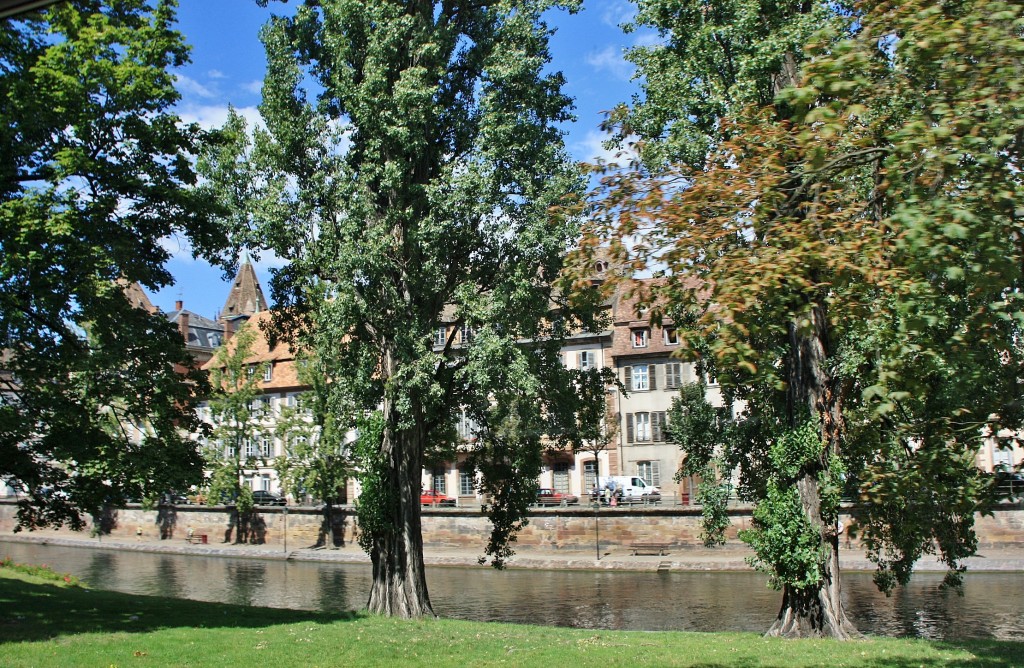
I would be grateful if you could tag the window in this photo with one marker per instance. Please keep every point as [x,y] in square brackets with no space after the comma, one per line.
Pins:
[440,336]
[266,447]
[229,451]
[587,360]
[439,481]
[467,481]
[645,427]
[465,334]
[265,478]
[590,474]
[711,377]
[639,337]
[290,401]
[251,370]
[560,476]
[466,426]
[650,472]
[671,336]
[268,372]
[250,448]
[638,378]
[673,375]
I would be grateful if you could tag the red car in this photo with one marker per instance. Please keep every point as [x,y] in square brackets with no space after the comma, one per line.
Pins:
[549,497]
[429,497]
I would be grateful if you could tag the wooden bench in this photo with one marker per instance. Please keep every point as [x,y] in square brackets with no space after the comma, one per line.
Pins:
[196,538]
[659,549]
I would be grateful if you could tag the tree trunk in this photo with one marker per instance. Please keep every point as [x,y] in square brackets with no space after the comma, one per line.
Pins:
[399,581]
[818,610]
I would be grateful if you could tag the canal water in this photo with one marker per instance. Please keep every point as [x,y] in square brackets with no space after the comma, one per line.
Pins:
[992,605]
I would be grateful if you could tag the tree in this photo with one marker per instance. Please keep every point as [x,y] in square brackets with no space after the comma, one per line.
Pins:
[841,230]
[236,414]
[410,197]
[94,173]
[317,459]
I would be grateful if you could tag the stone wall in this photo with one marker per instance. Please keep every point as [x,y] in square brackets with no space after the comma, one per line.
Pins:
[553,529]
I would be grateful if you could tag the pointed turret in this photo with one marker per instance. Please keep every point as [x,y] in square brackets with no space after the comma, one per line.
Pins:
[136,296]
[246,296]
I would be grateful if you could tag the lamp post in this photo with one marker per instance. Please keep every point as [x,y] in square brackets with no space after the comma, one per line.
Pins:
[597,530]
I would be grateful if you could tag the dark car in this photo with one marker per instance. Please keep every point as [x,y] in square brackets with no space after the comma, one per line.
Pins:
[549,497]
[174,499]
[430,497]
[262,497]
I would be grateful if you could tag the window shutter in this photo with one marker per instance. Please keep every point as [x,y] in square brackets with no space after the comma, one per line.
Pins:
[653,380]
[629,377]
[671,375]
[656,419]
[629,427]
[579,360]
[656,474]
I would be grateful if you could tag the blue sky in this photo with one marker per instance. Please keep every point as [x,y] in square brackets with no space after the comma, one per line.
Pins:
[228,64]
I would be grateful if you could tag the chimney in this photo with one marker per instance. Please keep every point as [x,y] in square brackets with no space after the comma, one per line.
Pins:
[178,304]
[183,325]
[227,331]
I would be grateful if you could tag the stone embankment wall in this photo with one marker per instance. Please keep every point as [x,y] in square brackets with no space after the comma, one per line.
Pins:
[571,528]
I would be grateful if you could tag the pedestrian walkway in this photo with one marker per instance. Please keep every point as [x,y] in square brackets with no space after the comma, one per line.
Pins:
[730,558]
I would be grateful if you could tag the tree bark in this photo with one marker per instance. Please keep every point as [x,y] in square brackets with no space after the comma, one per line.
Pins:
[815,611]
[399,586]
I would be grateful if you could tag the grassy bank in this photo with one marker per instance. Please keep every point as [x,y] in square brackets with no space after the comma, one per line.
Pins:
[47,623]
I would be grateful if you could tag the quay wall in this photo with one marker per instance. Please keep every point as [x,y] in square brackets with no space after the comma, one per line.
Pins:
[569,528]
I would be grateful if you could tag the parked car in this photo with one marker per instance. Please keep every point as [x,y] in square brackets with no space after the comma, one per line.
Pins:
[174,499]
[549,497]
[429,497]
[264,498]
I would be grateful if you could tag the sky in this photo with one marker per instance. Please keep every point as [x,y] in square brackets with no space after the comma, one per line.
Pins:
[228,64]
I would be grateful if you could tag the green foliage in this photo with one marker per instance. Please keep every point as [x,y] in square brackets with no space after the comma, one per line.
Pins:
[96,173]
[236,418]
[786,547]
[841,219]
[410,164]
[42,572]
[376,502]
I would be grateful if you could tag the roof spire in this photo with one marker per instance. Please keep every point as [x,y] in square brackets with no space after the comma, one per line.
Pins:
[246,295]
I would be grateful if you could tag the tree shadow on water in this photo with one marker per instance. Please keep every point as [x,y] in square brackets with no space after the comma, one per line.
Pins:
[39,612]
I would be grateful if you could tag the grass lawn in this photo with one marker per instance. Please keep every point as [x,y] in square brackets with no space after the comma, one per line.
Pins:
[45,623]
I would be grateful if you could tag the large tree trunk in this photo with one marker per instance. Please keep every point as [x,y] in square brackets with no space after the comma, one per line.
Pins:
[818,610]
[399,581]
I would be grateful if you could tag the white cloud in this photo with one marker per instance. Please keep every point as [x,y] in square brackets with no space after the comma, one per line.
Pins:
[189,86]
[214,116]
[216,74]
[254,87]
[617,12]
[611,59]
[179,248]
[592,149]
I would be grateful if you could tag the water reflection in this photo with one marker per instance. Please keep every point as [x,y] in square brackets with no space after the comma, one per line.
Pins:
[989,608]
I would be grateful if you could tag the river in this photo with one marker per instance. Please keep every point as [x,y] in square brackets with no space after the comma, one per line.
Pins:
[992,605]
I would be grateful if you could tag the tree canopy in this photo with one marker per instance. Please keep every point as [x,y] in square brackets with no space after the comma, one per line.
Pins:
[840,225]
[409,163]
[94,174]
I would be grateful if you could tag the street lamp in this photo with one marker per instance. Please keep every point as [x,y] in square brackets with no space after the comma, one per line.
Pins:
[597,529]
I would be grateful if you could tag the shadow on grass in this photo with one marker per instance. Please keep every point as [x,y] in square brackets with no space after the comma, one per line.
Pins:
[34,612]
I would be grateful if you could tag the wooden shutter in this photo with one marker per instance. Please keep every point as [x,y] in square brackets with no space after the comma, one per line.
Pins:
[629,377]
[652,376]
[629,427]
[671,375]
[656,419]
[656,474]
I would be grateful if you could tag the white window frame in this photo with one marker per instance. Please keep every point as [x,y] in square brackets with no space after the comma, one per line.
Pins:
[587,360]
[639,337]
[671,336]
[642,427]
[467,481]
[640,381]
[268,372]
[650,472]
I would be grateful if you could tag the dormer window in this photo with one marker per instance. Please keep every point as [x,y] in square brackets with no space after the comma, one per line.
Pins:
[671,336]
[268,373]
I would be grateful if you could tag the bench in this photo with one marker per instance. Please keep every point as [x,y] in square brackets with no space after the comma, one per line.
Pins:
[659,549]
[196,538]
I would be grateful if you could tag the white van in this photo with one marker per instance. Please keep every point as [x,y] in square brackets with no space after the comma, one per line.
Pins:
[630,488]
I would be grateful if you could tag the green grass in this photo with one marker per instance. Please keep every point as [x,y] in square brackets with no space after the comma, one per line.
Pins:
[43,623]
